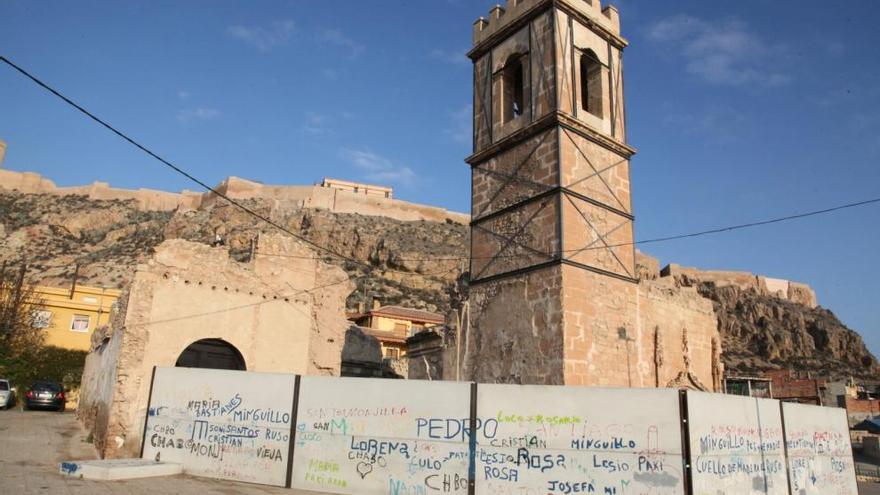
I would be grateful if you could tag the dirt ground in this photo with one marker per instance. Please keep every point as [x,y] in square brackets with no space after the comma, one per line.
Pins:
[33,443]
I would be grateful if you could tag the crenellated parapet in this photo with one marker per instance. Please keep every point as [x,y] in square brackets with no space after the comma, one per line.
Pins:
[605,18]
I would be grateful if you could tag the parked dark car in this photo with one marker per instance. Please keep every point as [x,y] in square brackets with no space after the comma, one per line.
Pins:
[45,395]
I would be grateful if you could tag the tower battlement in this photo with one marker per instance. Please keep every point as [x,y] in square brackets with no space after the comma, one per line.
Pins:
[607,17]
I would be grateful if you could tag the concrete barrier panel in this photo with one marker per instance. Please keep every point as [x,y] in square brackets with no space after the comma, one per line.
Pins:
[820,460]
[373,436]
[231,425]
[736,445]
[540,439]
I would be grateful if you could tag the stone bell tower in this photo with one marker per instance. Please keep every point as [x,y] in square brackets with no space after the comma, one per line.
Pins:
[554,296]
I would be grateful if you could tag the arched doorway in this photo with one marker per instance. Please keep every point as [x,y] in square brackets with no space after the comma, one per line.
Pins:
[213,354]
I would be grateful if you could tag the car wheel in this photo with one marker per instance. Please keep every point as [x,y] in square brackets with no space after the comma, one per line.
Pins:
[61,408]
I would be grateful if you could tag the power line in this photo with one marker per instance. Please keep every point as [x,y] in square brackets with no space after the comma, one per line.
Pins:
[269,221]
[717,230]
[178,169]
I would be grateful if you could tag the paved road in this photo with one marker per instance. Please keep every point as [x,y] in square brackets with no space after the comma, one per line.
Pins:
[33,443]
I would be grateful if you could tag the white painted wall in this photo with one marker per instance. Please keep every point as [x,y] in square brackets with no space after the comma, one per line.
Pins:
[736,445]
[222,424]
[820,460]
[372,436]
[543,439]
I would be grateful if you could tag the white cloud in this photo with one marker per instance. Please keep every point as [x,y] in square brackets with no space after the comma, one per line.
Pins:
[197,114]
[338,38]
[724,52]
[182,95]
[377,168]
[264,38]
[450,57]
[718,124]
[316,124]
[461,130]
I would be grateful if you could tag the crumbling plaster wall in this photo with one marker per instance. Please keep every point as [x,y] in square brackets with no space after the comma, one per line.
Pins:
[605,332]
[284,312]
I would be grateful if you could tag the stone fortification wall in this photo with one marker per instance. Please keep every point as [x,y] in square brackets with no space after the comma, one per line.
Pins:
[336,200]
[796,292]
[281,313]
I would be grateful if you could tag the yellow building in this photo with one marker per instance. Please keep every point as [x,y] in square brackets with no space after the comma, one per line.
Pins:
[392,325]
[70,318]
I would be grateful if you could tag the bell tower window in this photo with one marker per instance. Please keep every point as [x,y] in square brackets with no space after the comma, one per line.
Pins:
[512,88]
[591,83]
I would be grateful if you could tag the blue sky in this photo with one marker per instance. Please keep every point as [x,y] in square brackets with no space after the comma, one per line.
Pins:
[740,111]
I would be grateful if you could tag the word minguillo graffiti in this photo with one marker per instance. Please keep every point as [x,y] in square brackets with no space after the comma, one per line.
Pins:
[261,416]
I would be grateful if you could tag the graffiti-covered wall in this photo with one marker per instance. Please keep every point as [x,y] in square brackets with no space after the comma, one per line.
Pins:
[372,436]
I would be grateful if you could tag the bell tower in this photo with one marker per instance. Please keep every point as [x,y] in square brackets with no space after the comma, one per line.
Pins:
[554,295]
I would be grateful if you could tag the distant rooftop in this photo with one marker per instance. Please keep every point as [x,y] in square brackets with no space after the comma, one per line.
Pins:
[358,187]
[403,314]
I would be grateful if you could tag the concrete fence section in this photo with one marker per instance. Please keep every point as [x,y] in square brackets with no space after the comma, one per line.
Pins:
[736,445]
[363,435]
[222,424]
[372,436]
[817,443]
[545,439]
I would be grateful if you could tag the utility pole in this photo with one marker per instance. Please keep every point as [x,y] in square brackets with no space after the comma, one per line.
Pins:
[75,277]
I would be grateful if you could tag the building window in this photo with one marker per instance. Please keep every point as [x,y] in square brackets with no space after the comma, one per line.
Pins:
[591,83]
[80,323]
[512,88]
[392,353]
[42,318]
[400,327]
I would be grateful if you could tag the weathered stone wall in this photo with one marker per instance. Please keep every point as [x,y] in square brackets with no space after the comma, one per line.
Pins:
[99,376]
[680,342]
[335,200]
[784,289]
[607,332]
[516,332]
[284,312]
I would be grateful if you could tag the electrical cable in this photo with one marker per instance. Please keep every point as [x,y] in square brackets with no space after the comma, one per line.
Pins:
[370,267]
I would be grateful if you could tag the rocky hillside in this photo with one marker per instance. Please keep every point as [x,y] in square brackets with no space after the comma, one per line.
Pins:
[108,238]
[763,332]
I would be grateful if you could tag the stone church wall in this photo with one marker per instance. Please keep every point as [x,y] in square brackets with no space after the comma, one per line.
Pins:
[282,313]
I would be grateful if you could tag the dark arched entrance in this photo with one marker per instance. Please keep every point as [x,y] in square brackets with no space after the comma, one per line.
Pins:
[213,354]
